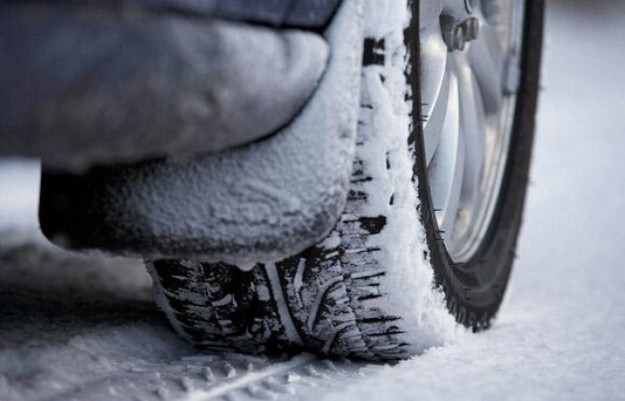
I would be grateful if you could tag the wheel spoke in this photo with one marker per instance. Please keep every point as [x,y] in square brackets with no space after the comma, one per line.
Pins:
[488,59]
[433,126]
[433,66]
[450,213]
[473,123]
[447,168]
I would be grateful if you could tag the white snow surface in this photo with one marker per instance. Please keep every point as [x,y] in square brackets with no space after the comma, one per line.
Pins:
[84,328]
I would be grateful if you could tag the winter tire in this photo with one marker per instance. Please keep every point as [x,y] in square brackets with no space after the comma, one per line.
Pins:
[427,236]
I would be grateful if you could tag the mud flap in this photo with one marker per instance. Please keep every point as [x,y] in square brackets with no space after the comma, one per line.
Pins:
[258,203]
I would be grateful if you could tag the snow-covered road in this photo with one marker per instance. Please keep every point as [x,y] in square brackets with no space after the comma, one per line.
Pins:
[84,328]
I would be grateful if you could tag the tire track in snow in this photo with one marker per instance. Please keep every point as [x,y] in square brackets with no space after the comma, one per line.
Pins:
[261,383]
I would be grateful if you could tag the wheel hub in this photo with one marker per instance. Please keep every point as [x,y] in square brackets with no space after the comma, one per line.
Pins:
[456,36]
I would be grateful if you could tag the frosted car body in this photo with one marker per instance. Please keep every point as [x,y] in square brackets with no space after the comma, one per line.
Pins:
[255,203]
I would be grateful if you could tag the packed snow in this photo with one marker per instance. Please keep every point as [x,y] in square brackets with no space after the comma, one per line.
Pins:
[84,328]
[384,128]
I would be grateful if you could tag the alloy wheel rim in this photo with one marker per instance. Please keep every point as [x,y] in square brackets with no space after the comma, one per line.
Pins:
[470,72]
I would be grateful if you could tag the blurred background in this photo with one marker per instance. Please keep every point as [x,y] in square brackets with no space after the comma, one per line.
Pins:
[561,332]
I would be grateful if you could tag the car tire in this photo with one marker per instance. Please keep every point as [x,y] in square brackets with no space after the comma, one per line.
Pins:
[383,285]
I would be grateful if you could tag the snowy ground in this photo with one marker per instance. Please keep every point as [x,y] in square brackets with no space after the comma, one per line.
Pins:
[82,328]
